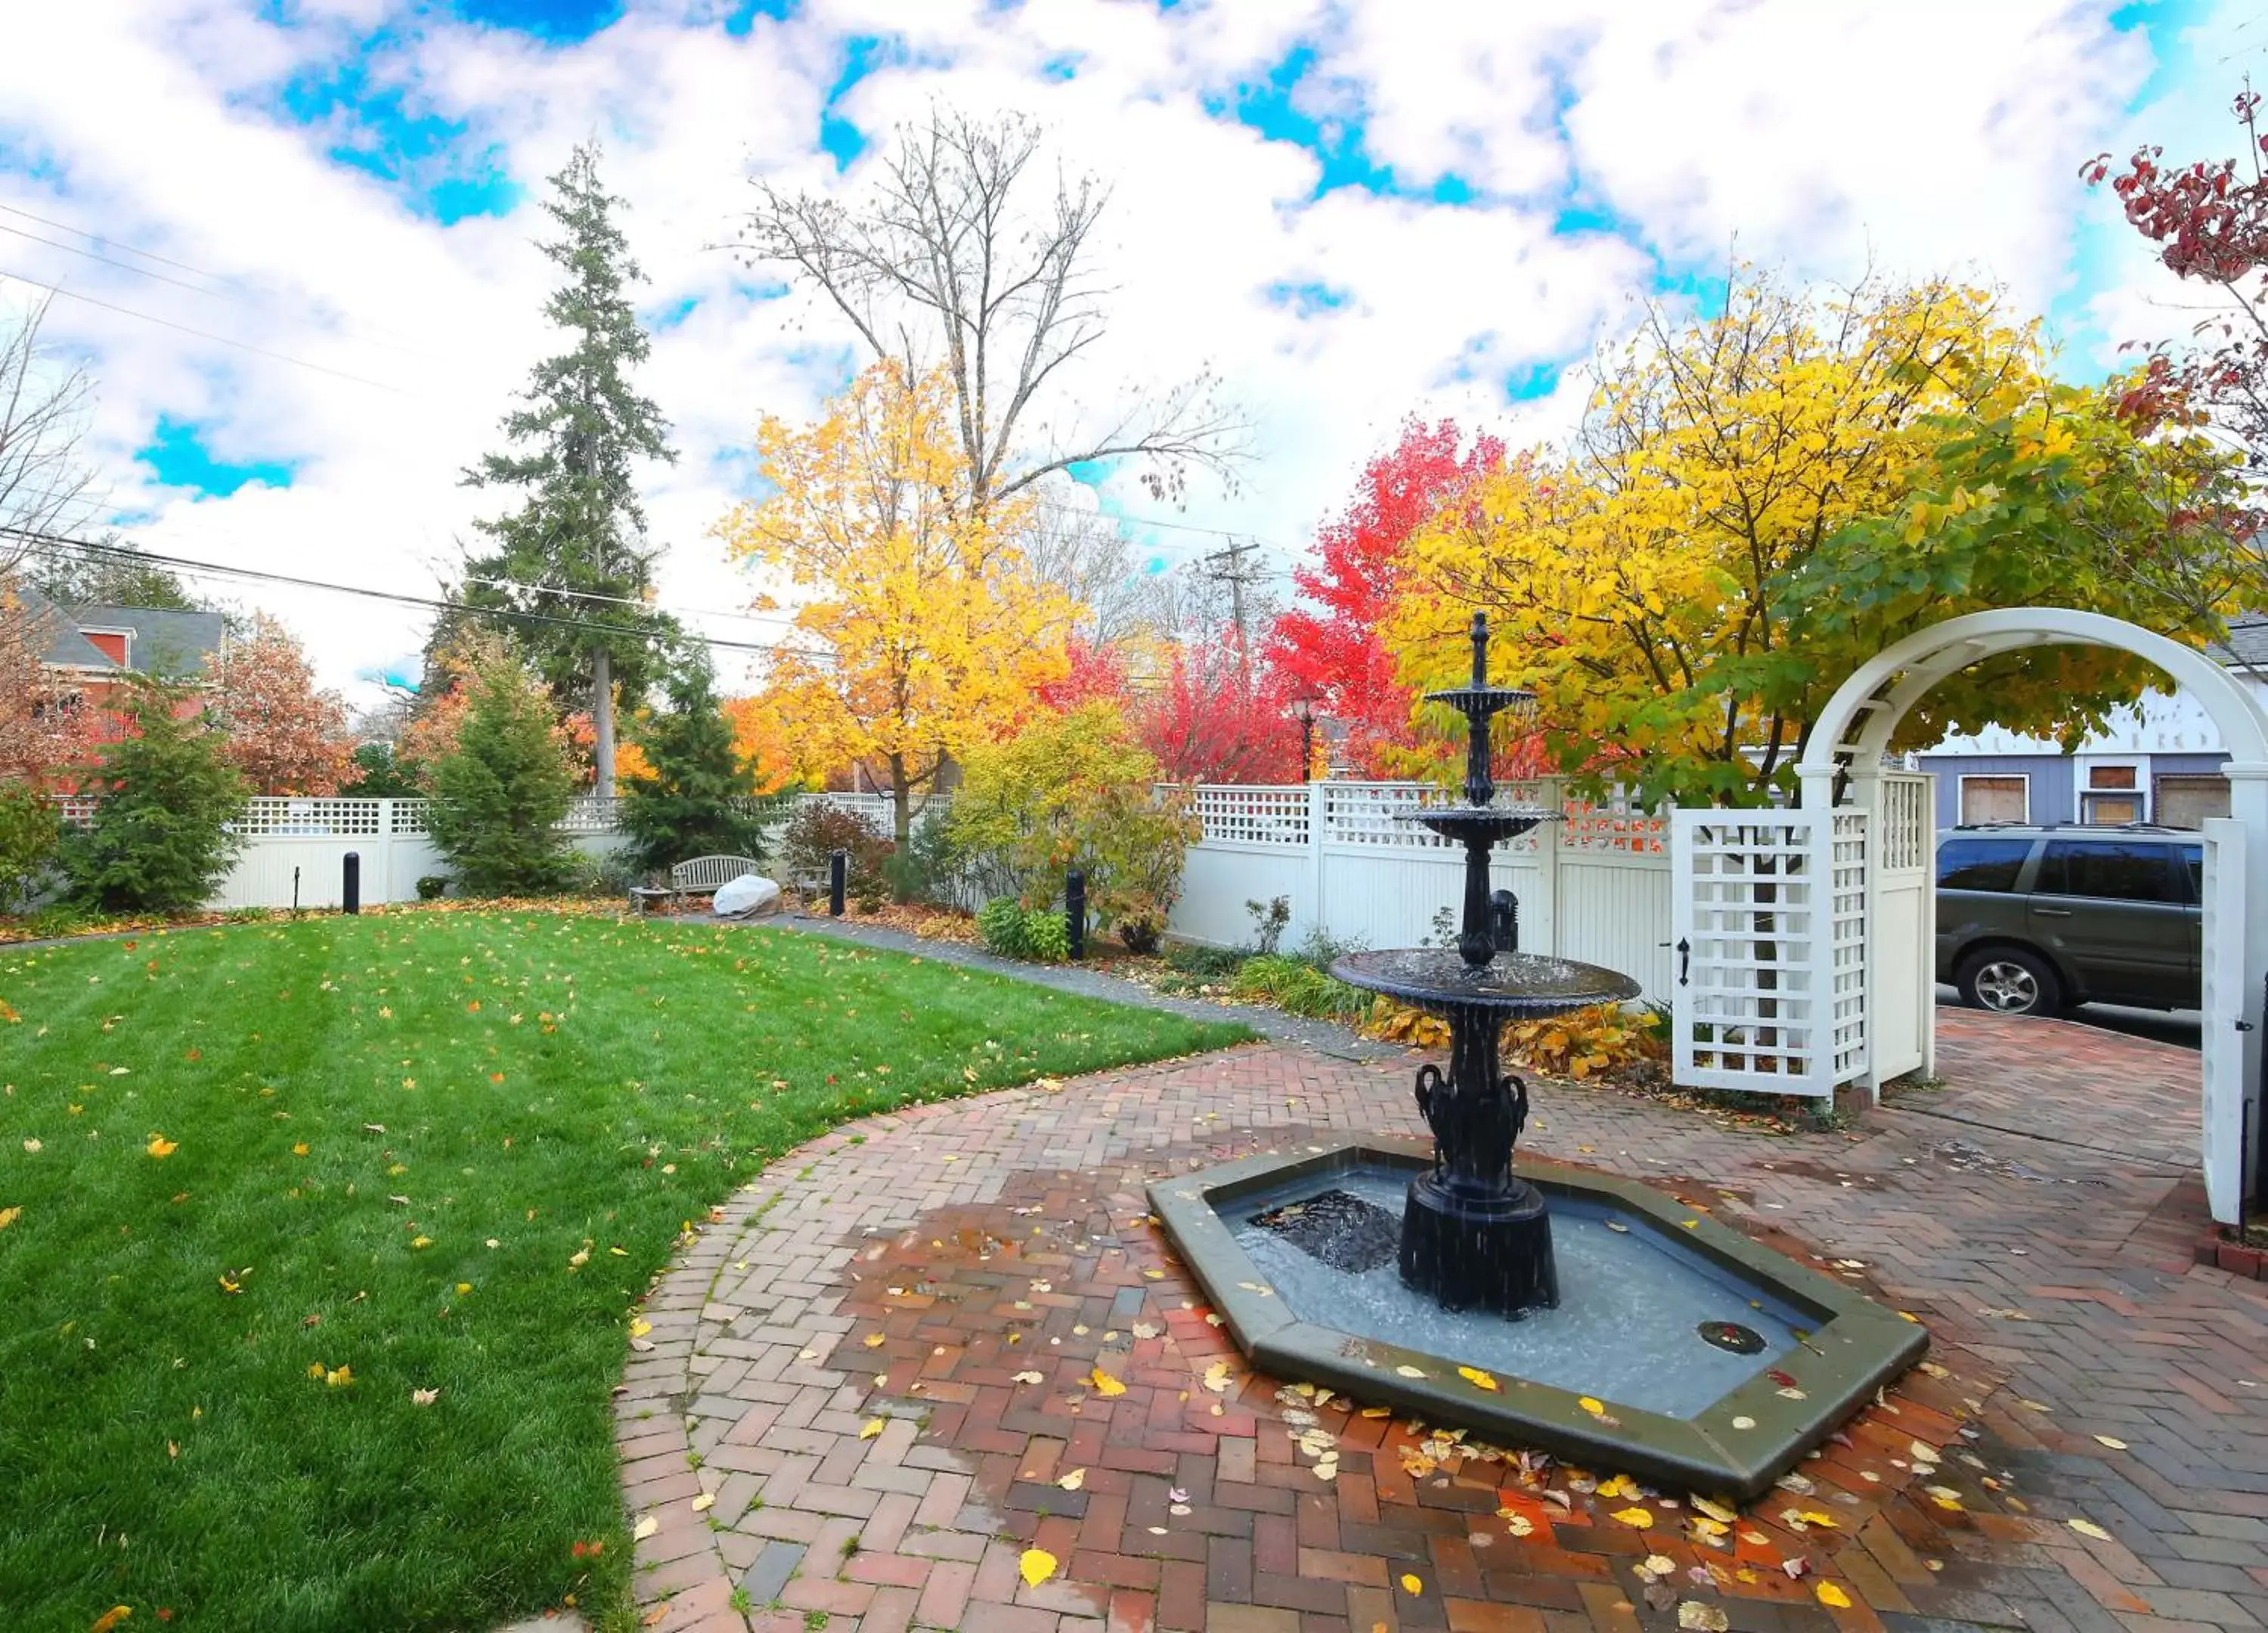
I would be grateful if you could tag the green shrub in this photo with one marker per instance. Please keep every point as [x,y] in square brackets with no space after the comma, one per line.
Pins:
[1000,925]
[432,887]
[929,866]
[499,793]
[160,840]
[696,800]
[1296,987]
[1047,933]
[379,774]
[31,832]
[1204,962]
[1075,791]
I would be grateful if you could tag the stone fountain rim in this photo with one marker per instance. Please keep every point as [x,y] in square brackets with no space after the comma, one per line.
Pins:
[1614,987]
[1859,1344]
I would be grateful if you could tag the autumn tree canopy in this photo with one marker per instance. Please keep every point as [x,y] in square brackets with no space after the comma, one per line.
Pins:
[920,632]
[283,733]
[1332,649]
[1685,587]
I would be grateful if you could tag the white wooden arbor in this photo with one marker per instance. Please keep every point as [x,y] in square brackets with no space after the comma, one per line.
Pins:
[1853,732]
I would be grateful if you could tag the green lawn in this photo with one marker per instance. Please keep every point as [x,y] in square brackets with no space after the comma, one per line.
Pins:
[386,1144]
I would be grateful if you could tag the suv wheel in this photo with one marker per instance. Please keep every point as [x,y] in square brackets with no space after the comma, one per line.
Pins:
[2011,981]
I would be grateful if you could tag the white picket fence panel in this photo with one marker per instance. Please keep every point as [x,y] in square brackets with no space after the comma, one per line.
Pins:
[1593,884]
[1769,930]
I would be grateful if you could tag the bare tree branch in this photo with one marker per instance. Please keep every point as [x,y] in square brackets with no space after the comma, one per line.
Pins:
[940,266]
[45,484]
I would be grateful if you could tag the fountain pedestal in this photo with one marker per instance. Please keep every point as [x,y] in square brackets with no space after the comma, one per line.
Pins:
[1473,1236]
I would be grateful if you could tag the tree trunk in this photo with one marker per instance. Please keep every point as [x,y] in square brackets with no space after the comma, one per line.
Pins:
[603,721]
[901,799]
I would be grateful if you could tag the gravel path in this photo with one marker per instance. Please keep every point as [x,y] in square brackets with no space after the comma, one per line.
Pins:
[1323,1036]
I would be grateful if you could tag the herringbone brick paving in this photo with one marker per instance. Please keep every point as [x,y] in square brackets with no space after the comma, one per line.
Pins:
[878,1364]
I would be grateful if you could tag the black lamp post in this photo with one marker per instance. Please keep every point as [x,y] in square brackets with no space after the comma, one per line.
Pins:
[1303,710]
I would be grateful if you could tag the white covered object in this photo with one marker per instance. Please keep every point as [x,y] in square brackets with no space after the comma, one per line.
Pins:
[747,895]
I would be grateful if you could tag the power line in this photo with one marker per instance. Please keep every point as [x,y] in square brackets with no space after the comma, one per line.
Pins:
[163,260]
[58,288]
[89,549]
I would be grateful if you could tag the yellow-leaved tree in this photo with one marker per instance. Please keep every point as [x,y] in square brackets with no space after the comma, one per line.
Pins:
[919,633]
[1685,587]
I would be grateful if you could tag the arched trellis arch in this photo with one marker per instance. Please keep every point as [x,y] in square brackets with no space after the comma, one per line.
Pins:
[1854,732]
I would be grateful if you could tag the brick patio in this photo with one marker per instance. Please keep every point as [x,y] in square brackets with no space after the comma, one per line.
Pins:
[844,1364]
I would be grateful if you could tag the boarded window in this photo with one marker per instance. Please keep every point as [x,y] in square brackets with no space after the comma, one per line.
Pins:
[2111,777]
[1996,799]
[2111,810]
[110,645]
[2186,801]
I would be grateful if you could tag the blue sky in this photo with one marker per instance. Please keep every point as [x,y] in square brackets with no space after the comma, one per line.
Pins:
[310,239]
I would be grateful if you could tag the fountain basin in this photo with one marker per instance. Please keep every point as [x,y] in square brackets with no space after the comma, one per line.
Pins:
[1313,1294]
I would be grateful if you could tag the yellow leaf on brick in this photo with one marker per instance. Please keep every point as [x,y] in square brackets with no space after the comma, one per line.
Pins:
[1636,1519]
[1832,1596]
[1105,1383]
[1036,1566]
[2088,1528]
[640,1326]
[1595,1408]
[872,1427]
[644,1528]
[1073,1481]
[1478,1379]
[1411,1585]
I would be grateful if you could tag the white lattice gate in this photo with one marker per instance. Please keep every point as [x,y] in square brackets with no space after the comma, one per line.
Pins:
[1768,933]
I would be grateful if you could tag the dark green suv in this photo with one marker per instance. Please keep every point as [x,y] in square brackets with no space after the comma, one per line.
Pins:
[2033,920]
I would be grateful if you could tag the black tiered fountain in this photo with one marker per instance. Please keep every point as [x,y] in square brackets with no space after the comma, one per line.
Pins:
[1473,1235]
[1534,1303]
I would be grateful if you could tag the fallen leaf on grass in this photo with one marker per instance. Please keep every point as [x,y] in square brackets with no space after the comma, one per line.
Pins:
[423,1397]
[339,1378]
[111,1618]
[1036,1566]
[301,1150]
[644,1528]
[33,1146]
[9,1216]
[160,1146]
[1834,1597]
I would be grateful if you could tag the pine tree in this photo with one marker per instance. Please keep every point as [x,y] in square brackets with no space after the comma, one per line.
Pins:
[499,793]
[693,802]
[159,843]
[580,532]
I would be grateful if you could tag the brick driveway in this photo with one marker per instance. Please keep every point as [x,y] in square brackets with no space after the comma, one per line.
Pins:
[877,1365]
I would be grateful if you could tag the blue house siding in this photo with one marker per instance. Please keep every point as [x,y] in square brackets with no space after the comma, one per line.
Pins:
[2052,784]
[2188,765]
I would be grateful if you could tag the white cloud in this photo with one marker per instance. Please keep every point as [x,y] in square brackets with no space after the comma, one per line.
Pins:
[1933,136]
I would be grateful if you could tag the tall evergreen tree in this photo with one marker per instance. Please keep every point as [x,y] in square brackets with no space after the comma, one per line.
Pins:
[694,801]
[579,531]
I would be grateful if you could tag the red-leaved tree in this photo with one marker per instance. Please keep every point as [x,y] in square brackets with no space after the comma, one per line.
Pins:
[1216,716]
[1332,653]
[284,734]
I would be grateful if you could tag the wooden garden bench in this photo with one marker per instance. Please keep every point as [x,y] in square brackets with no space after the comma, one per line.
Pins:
[700,877]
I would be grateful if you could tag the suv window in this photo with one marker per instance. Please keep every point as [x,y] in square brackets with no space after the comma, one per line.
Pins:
[1981,864]
[2105,869]
[2193,855]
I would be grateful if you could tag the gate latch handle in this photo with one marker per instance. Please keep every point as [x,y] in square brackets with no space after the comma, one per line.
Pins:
[1684,960]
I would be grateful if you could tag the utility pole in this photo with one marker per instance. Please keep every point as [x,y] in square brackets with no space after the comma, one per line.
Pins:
[1228,565]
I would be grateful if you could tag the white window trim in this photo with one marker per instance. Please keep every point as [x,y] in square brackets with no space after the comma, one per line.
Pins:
[1961,798]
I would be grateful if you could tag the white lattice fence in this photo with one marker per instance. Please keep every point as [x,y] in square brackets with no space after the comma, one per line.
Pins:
[1236,814]
[1769,922]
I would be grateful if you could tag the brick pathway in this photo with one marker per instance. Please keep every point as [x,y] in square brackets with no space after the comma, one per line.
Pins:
[878,1366]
